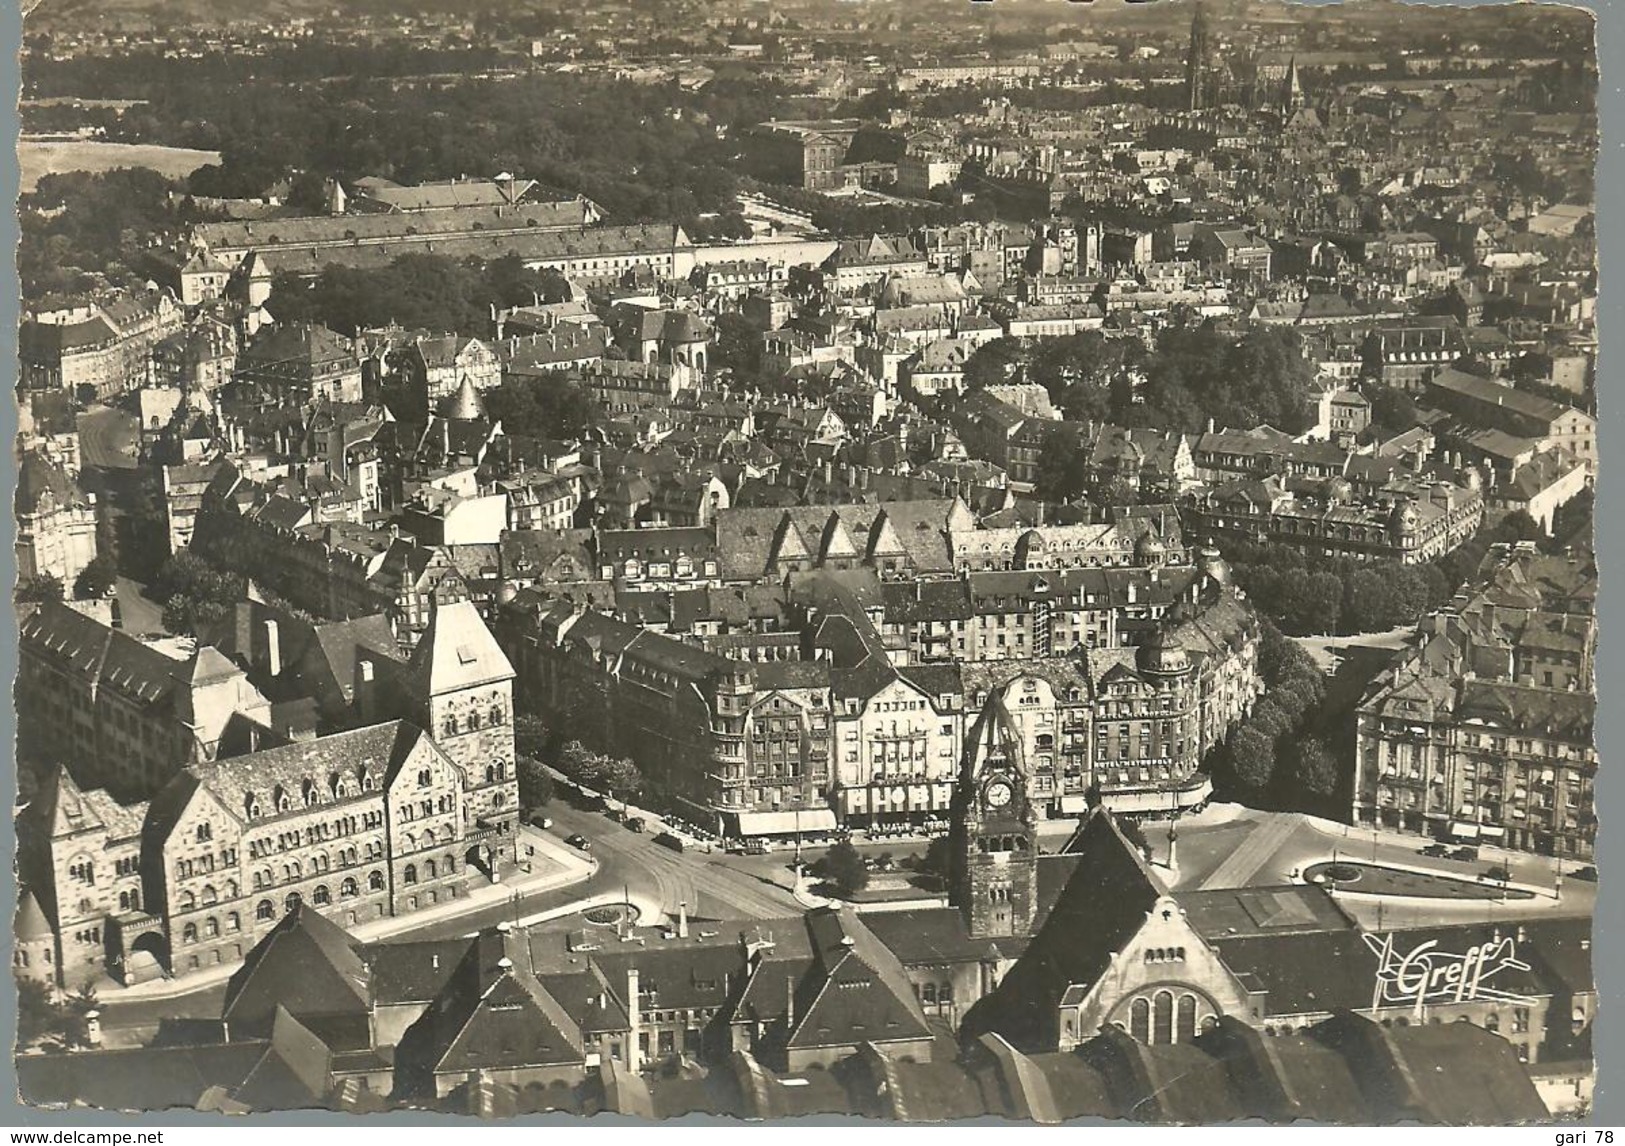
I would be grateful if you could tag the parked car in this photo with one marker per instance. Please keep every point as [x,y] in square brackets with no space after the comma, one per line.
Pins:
[668,840]
[637,824]
[1466,854]
[1587,873]
[1498,874]
[541,821]
[579,841]
[1436,851]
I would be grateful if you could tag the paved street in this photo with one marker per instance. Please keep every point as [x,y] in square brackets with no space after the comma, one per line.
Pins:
[1230,846]
[107,438]
[139,614]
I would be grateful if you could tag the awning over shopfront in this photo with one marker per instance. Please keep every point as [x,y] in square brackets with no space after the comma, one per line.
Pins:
[1467,830]
[786,823]
[1158,800]
[1074,805]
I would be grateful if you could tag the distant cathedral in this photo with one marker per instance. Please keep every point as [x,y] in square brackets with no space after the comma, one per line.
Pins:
[1275,86]
[1199,64]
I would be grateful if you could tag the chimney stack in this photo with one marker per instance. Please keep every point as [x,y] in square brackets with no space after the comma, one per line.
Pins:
[634,1015]
[273,648]
[365,700]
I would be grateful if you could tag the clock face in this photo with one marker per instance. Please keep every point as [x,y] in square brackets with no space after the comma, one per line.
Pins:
[998,794]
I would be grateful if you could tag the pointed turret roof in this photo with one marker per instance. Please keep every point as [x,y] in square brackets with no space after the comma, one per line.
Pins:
[465,405]
[457,651]
[31,922]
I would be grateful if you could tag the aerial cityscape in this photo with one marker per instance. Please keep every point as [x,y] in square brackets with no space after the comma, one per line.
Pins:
[922,560]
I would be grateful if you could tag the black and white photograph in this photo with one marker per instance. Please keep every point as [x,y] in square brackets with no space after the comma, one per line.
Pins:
[913,559]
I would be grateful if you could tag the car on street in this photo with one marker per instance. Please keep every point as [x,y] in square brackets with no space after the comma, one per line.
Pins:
[1497,874]
[670,840]
[637,824]
[1436,851]
[1465,854]
[579,841]
[541,821]
[1587,873]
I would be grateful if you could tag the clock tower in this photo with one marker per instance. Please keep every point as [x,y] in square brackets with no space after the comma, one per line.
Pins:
[994,846]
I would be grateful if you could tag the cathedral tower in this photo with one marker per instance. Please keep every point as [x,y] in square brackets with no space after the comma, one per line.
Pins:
[1199,64]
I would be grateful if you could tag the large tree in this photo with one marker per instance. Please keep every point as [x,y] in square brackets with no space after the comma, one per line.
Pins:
[844,868]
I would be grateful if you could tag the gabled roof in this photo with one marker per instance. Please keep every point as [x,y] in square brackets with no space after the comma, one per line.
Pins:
[456,651]
[1102,907]
[856,990]
[493,1014]
[39,478]
[306,966]
[293,1072]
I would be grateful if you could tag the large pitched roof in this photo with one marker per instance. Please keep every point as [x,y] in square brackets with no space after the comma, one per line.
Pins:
[456,651]
[307,967]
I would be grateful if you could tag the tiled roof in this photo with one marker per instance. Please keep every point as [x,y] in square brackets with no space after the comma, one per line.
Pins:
[456,651]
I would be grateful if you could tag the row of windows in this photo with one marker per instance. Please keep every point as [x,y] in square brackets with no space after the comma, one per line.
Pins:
[451,726]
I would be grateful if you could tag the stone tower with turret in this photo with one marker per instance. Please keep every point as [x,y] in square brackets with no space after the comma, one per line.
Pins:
[994,842]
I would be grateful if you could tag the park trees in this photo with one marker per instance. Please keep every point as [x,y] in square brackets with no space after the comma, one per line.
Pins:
[195,595]
[843,868]
[616,776]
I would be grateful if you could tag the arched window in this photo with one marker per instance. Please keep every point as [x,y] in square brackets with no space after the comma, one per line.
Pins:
[234,922]
[410,875]
[1140,1020]
[1185,1027]
[211,927]
[186,901]
[189,933]
[1162,1018]
[349,887]
[375,881]
[292,902]
[496,714]
[428,869]
[265,909]
[231,889]
[474,720]
[210,896]
[321,897]
[124,901]
[205,833]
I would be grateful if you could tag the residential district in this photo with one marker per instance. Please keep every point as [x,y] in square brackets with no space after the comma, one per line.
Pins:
[768,663]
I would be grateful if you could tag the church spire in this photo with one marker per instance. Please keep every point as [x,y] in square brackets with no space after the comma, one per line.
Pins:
[1198,64]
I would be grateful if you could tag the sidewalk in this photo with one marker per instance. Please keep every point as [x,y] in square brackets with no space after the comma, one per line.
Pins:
[564,868]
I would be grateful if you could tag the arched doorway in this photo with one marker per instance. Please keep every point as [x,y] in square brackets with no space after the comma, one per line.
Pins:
[147,958]
[480,857]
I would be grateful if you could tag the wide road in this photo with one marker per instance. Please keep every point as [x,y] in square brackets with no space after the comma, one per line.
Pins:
[107,439]
[712,886]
